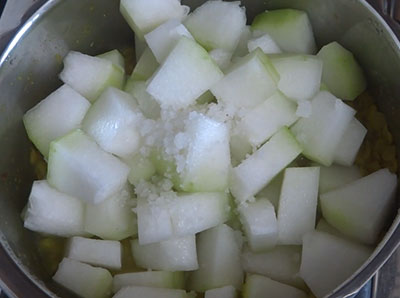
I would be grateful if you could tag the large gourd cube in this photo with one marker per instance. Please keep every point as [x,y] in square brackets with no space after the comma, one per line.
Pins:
[154,220]
[83,279]
[44,122]
[113,122]
[187,214]
[188,64]
[112,219]
[206,164]
[281,263]
[80,168]
[260,225]
[247,82]
[323,226]
[240,147]
[222,58]
[145,67]
[290,29]
[154,279]
[193,213]
[342,74]
[297,204]
[163,39]
[346,151]
[115,57]
[144,16]
[147,104]
[52,212]
[261,122]
[178,254]
[217,24]
[258,286]
[300,75]
[141,292]
[219,260]
[141,168]
[102,253]
[224,292]
[265,43]
[242,47]
[90,75]
[140,46]
[321,133]
[327,261]
[336,176]
[255,172]
[360,209]
[273,190]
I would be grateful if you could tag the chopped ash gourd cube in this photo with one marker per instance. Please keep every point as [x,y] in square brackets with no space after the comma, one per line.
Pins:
[346,151]
[262,166]
[281,263]
[188,64]
[139,292]
[247,82]
[171,216]
[321,133]
[52,212]
[297,204]
[224,292]
[265,43]
[242,48]
[147,104]
[206,164]
[144,68]
[163,39]
[90,75]
[144,16]
[113,122]
[273,190]
[257,286]
[115,57]
[221,57]
[290,28]
[323,226]
[112,219]
[83,279]
[154,279]
[359,209]
[141,168]
[337,176]
[102,253]
[261,122]
[259,224]
[217,24]
[341,256]
[140,46]
[44,123]
[342,74]
[219,260]
[178,254]
[78,167]
[300,75]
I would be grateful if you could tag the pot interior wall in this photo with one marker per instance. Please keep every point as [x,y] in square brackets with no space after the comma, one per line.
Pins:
[30,73]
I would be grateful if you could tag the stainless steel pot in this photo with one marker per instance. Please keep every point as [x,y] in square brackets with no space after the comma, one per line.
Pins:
[28,72]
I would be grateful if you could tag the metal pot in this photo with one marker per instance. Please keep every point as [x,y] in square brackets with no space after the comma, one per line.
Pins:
[28,72]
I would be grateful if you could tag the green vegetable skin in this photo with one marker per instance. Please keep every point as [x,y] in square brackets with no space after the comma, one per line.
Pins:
[193,166]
